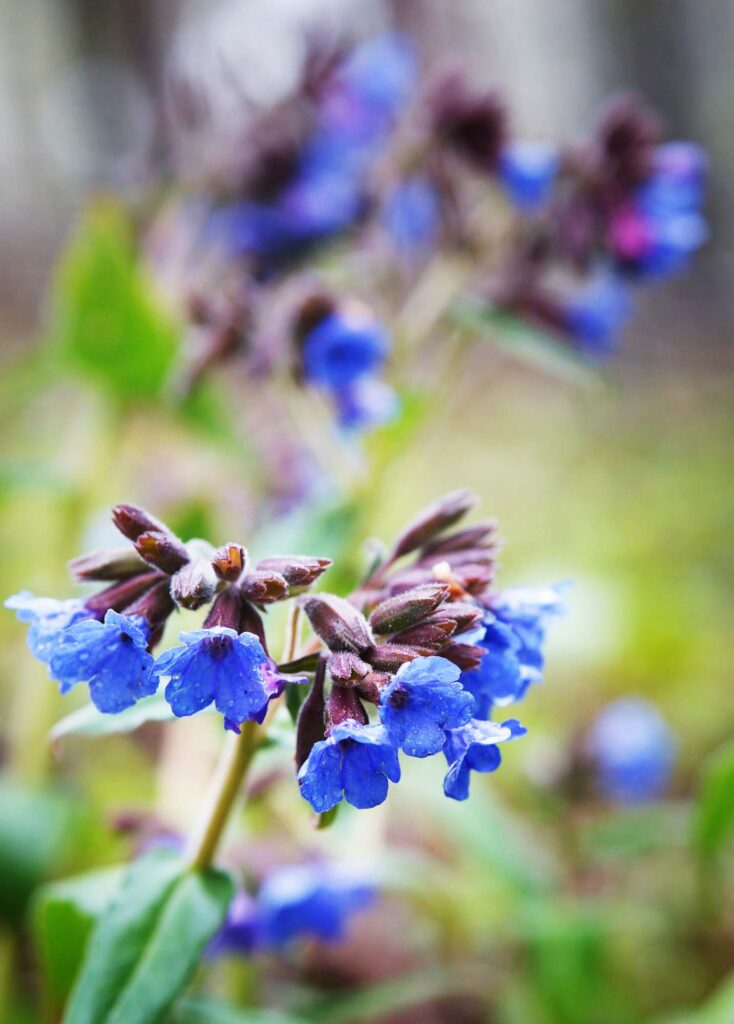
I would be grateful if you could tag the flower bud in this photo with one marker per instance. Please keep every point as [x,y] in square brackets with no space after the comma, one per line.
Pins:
[120,564]
[155,605]
[194,585]
[263,587]
[370,687]
[389,657]
[131,521]
[344,705]
[229,562]
[338,623]
[162,550]
[120,595]
[297,570]
[345,667]
[466,656]
[311,725]
[471,537]
[408,608]
[434,634]
[434,520]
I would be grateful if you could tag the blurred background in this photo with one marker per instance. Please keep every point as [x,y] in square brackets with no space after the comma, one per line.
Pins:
[532,904]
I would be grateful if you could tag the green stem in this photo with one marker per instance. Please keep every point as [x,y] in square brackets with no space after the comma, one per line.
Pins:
[236,759]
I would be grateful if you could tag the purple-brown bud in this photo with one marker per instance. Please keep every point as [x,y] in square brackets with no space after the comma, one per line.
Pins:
[389,657]
[344,705]
[473,122]
[229,562]
[370,687]
[162,550]
[434,635]
[263,587]
[466,656]
[408,608]
[120,595]
[345,667]
[311,724]
[195,584]
[472,537]
[155,605]
[339,624]
[434,520]
[297,570]
[107,565]
[131,521]
[226,610]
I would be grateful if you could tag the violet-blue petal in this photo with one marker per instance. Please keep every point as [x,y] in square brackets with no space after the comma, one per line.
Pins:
[356,760]
[473,747]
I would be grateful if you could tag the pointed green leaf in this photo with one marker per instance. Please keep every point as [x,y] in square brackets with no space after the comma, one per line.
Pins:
[714,819]
[145,947]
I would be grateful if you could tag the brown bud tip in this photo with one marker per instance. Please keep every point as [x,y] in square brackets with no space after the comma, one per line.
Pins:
[298,570]
[466,656]
[472,537]
[263,587]
[338,623]
[194,585]
[131,521]
[162,550]
[229,562]
[107,565]
[408,608]
[434,520]
[345,667]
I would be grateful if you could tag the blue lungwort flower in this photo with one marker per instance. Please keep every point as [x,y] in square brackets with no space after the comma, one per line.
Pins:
[473,747]
[47,618]
[355,761]
[633,750]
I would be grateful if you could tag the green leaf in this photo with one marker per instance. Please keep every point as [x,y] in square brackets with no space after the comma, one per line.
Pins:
[212,1011]
[523,341]
[146,946]
[718,1008]
[88,721]
[106,321]
[63,916]
[38,830]
[327,819]
[713,822]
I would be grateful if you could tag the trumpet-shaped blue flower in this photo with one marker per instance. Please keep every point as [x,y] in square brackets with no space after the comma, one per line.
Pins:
[474,748]
[365,404]
[342,348]
[221,666]
[424,699]
[633,750]
[513,635]
[111,656]
[528,171]
[356,761]
[48,620]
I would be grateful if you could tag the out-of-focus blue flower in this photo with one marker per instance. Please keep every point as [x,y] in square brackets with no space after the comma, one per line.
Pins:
[596,314]
[111,656]
[342,348]
[473,747]
[633,750]
[381,73]
[411,216]
[365,404]
[513,634]
[302,900]
[424,699]
[528,171]
[655,233]
[48,620]
[217,665]
[356,761]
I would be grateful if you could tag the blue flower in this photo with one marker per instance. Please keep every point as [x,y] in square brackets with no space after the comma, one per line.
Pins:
[595,315]
[239,933]
[342,348]
[356,760]
[365,404]
[218,665]
[111,656]
[528,172]
[48,620]
[310,899]
[513,634]
[633,750]
[474,748]
[411,215]
[424,699]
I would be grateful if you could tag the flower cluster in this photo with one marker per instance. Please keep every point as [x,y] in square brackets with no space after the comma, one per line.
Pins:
[107,640]
[412,642]
[314,900]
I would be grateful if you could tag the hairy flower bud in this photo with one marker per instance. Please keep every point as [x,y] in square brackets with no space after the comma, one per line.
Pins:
[155,605]
[389,657]
[466,656]
[434,520]
[461,540]
[344,705]
[408,608]
[131,521]
[229,562]
[298,570]
[120,595]
[195,584]
[311,724]
[226,610]
[338,623]
[345,667]
[264,587]
[162,550]
[434,635]
[120,564]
